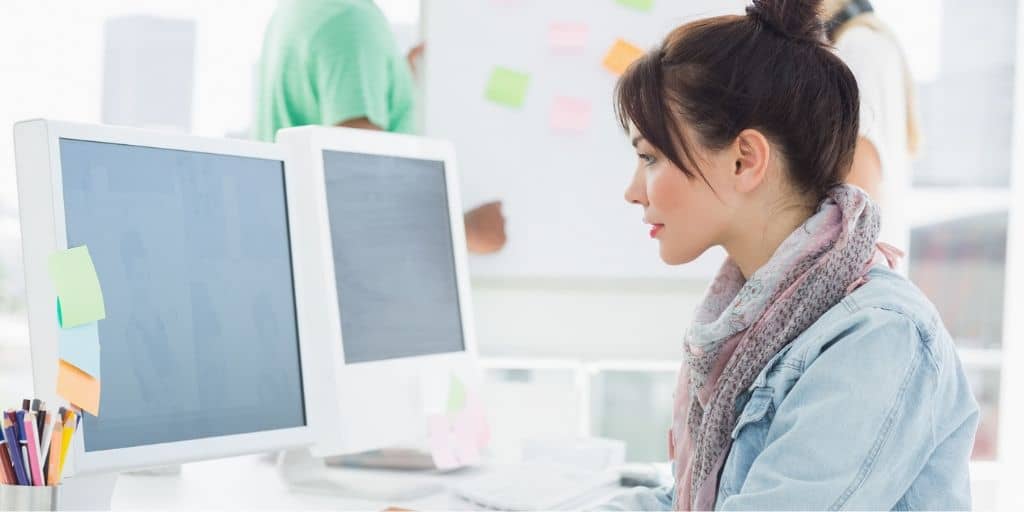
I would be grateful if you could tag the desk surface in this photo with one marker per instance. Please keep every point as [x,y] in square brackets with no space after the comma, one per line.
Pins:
[252,483]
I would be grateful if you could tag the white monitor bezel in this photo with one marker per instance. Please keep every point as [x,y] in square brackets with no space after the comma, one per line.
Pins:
[43,232]
[339,416]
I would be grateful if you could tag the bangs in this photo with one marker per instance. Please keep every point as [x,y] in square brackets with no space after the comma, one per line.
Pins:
[640,100]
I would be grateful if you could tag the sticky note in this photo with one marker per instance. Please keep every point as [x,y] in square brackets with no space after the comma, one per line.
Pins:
[456,395]
[640,5]
[80,346]
[80,299]
[466,436]
[570,114]
[568,36]
[476,414]
[441,438]
[507,87]
[621,55]
[78,388]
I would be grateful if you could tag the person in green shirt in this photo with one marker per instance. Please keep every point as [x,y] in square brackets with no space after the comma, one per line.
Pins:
[336,63]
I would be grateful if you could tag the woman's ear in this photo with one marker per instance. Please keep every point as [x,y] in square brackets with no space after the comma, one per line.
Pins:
[752,153]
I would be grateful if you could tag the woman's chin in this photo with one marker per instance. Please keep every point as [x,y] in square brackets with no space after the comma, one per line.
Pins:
[679,257]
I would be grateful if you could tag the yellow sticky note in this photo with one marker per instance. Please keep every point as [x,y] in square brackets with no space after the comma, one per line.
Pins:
[78,388]
[79,297]
[621,55]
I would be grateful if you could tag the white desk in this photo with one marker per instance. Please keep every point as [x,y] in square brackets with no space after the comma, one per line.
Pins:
[252,483]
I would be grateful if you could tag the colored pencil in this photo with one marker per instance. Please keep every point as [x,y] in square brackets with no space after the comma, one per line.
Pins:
[53,461]
[34,463]
[14,452]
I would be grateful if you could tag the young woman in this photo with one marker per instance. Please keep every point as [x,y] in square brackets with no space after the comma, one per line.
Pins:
[814,376]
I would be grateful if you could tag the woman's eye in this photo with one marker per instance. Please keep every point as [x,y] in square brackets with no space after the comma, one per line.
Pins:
[645,158]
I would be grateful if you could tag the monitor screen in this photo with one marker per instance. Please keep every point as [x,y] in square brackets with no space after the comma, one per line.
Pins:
[192,251]
[393,260]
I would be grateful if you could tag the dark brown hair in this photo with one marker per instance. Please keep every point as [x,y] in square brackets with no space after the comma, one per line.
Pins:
[770,70]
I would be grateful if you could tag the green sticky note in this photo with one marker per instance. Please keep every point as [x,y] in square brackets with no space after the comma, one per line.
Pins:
[507,87]
[456,395]
[79,297]
[640,5]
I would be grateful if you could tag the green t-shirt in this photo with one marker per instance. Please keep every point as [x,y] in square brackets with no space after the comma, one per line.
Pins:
[329,61]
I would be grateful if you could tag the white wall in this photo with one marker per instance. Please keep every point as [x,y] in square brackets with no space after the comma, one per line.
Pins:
[584,319]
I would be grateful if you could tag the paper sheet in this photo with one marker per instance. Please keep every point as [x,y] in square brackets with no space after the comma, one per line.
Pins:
[568,37]
[79,388]
[441,442]
[80,346]
[621,55]
[456,395]
[457,439]
[80,299]
[507,87]
[640,5]
[570,115]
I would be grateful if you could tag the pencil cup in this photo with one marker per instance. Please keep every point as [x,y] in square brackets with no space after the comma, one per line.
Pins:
[29,497]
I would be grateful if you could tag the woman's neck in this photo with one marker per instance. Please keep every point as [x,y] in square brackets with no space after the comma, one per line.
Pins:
[761,235]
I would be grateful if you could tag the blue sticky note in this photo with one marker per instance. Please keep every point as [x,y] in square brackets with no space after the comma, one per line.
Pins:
[80,347]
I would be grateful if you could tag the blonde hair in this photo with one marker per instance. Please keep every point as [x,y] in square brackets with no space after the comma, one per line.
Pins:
[873,22]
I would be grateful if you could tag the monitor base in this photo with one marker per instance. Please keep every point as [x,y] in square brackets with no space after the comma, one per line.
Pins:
[87,492]
[408,459]
[302,472]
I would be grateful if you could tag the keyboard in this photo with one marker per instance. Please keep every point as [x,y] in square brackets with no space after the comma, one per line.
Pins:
[532,486]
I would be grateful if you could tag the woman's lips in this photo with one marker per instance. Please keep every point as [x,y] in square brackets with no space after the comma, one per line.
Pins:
[655,228]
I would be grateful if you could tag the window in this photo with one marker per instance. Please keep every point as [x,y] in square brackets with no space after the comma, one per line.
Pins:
[960,200]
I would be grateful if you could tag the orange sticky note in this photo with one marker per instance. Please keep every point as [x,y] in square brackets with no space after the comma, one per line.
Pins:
[79,388]
[621,55]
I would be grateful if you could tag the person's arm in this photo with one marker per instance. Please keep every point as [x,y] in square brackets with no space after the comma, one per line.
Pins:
[362,123]
[350,58]
[866,171]
[877,65]
[413,58]
[845,439]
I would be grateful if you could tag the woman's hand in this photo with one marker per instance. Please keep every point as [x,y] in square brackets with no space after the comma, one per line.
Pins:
[485,228]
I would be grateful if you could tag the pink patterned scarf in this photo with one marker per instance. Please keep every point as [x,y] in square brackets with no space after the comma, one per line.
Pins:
[740,325]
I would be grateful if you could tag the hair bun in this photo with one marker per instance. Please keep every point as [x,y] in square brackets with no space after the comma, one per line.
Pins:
[795,19]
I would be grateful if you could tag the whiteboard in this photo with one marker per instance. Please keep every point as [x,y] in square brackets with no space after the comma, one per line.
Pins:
[562,191]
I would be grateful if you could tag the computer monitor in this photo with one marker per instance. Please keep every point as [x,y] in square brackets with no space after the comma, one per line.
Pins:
[202,248]
[402,317]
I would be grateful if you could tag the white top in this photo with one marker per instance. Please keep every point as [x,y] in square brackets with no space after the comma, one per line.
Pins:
[877,63]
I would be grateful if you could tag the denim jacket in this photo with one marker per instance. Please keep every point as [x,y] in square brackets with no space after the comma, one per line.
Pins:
[869,408]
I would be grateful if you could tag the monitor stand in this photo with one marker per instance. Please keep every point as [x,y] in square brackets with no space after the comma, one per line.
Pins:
[87,492]
[303,472]
[409,459]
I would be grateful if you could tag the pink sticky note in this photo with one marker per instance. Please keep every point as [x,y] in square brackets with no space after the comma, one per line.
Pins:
[442,447]
[570,115]
[570,37]
[477,415]
[467,436]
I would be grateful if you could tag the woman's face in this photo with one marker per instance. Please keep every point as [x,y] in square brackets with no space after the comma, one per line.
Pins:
[685,216]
